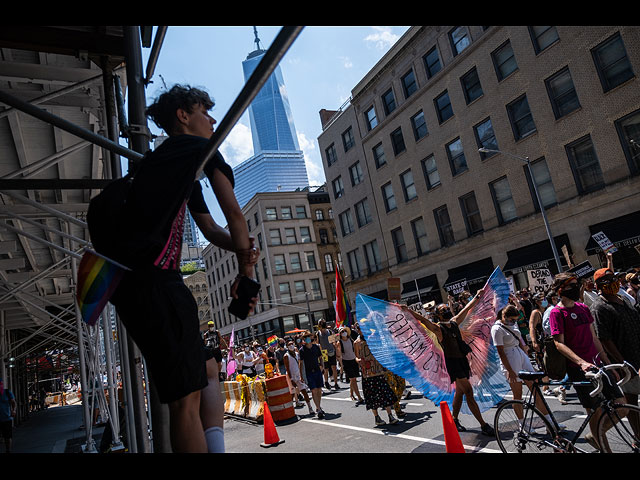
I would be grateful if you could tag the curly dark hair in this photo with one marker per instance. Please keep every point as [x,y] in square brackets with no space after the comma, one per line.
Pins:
[163,110]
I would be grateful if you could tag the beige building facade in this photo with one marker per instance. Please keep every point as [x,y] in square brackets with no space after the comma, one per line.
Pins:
[295,233]
[197,283]
[415,199]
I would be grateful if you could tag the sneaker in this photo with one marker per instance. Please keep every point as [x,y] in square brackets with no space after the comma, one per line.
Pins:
[320,413]
[400,414]
[327,386]
[360,402]
[336,387]
[562,395]
[379,421]
[488,430]
[459,427]
[392,420]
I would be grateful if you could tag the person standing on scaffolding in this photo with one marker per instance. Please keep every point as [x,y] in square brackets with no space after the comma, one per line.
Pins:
[152,300]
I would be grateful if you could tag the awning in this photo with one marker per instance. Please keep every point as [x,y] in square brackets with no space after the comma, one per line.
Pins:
[475,272]
[536,255]
[623,231]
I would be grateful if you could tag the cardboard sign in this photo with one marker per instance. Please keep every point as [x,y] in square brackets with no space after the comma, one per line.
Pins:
[604,242]
[584,270]
[419,308]
[456,288]
[394,289]
[539,280]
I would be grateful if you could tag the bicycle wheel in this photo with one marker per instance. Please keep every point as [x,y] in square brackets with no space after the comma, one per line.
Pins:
[619,429]
[528,433]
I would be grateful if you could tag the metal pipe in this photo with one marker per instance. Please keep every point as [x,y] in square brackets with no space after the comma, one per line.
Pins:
[67,126]
[40,206]
[35,238]
[50,229]
[46,162]
[155,53]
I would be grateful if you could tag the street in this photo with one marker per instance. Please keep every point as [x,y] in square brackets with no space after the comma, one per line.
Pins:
[350,429]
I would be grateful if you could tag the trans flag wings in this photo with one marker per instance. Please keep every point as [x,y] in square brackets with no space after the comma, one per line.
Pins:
[405,347]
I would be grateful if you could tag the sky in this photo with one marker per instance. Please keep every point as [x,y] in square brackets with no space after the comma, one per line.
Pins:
[320,69]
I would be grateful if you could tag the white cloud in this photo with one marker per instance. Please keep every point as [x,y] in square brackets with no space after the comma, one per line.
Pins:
[346,62]
[312,160]
[382,39]
[238,146]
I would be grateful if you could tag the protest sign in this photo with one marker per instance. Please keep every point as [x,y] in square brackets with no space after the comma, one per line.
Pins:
[584,270]
[604,242]
[456,288]
[539,280]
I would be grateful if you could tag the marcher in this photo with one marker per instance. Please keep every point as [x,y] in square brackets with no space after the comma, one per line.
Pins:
[573,330]
[398,386]
[152,299]
[633,286]
[377,392]
[349,363]
[8,407]
[536,334]
[246,360]
[446,328]
[311,357]
[214,342]
[280,353]
[325,337]
[291,360]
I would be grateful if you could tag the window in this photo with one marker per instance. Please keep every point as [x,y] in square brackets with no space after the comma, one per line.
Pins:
[286,213]
[504,61]
[419,125]
[281,266]
[430,170]
[355,263]
[471,85]
[459,40]
[300,290]
[503,201]
[443,107]
[264,268]
[311,260]
[408,186]
[301,211]
[397,141]
[443,222]
[355,171]
[346,223]
[256,219]
[388,102]
[319,214]
[347,139]
[316,292]
[324,236]
[456,156]
[409,84]
[285,292]
[629,132]
[542,177]
[338,188]
[399,245]
[296,266]
[274,235]
[372,255]
[432,62]
[612,62]
[585,165]
[471,213]
[331,155]
[543,37]
[371,119]
[363,213]
[378,155]
[328,262]
[271,213]
[305,235]
[389,198]
[486,138]
[290,235]
[420,236]
[562,93]
[520,117]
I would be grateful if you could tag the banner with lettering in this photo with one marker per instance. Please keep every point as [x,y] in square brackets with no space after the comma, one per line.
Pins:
[402,345]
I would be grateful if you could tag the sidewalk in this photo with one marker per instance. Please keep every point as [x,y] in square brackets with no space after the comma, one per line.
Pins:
[54,430]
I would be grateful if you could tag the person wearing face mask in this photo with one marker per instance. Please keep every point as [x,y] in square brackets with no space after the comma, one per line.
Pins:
[349,362]
[291,360]
[246,360]
[214,342]
[573,330]
[311,357]
[633,286]
[447,331]
[540,304]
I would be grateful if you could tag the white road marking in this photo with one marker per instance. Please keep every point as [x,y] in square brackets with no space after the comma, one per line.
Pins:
[399,435]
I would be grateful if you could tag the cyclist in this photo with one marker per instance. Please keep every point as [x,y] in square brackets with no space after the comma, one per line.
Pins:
[573,330]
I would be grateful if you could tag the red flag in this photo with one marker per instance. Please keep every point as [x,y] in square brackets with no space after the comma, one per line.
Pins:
[342,304]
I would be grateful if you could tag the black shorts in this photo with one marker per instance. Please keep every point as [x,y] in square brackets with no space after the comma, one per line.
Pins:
[457,368]
[6,429]
[213,352]
[331,360]
[609,390]
[161,316]
[351,368]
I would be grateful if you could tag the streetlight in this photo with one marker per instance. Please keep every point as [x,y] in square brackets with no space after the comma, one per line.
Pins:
[535,188]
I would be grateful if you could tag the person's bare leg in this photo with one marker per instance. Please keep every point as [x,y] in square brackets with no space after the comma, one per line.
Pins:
[211,401]
[187,434]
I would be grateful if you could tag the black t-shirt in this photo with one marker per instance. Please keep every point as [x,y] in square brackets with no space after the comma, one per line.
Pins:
[311,357]
[163,187]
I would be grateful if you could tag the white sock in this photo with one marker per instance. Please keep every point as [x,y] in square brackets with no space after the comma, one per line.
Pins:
[215,439]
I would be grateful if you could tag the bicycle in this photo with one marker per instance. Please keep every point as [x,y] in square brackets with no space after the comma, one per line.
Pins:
[521,428]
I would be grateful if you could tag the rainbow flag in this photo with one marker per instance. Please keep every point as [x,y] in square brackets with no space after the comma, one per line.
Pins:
[272,341]
[98,278]
[343,310]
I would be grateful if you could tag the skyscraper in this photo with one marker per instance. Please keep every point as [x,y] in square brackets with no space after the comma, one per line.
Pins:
[278,163]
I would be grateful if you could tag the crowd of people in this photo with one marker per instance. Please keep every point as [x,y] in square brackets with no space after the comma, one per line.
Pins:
[592,321]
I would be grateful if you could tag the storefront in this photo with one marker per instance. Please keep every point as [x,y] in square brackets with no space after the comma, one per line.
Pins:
[624,233]
[471,276]
[536,256]
[421,290]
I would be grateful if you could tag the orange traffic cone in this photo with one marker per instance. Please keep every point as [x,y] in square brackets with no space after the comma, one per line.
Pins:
[451,436]
[271,438]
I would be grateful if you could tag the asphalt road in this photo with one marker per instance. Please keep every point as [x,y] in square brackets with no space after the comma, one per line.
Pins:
[349,428]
